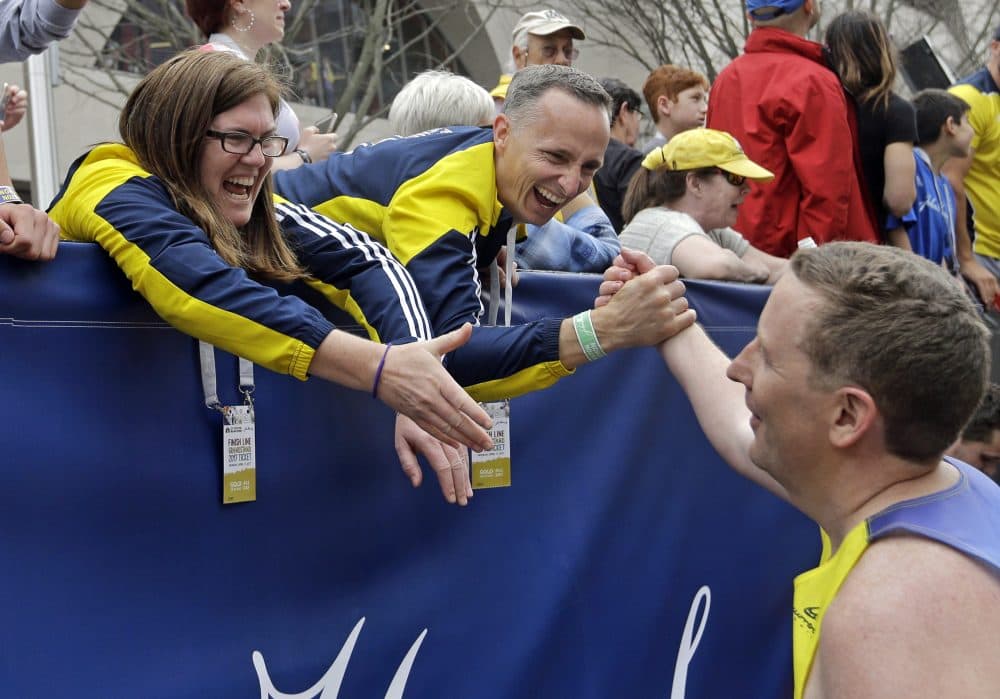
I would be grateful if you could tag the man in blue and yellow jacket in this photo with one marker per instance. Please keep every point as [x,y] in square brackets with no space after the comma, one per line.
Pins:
[443,202]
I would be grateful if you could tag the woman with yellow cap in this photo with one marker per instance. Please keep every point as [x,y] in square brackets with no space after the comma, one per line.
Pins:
[682,203]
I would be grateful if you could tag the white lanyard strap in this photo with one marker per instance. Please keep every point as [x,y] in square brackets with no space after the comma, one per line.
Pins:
[508,291]
[209,382]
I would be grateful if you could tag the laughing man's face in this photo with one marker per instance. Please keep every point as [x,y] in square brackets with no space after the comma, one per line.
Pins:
[549,157]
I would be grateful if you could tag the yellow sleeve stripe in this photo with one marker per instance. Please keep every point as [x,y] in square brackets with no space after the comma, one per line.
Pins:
[224,329]
[530,379]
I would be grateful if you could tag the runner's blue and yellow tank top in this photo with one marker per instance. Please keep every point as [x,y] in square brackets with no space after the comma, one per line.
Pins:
[965,516]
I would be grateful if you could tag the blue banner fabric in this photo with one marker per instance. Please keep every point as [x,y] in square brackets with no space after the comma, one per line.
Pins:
[625,561]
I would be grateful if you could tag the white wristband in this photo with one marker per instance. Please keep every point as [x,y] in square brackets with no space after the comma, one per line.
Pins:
[8,195]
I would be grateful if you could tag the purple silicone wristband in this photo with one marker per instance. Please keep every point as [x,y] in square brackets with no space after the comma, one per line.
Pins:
[378,372]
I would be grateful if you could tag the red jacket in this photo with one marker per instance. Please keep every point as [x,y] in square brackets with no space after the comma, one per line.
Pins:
[789,112]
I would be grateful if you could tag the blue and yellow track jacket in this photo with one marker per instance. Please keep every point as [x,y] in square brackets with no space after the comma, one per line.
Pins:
[432,199]
[108,198]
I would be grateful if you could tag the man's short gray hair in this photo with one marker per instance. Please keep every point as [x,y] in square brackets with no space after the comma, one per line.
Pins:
[529,84]
[521,42]
[437,98]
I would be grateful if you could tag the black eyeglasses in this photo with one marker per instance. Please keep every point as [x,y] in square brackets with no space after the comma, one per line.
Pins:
[731,178]
[239,143]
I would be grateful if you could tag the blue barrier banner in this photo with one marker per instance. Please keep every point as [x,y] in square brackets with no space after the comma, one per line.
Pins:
[626,560]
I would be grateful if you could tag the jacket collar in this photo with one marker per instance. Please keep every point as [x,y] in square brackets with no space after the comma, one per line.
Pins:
[774,40]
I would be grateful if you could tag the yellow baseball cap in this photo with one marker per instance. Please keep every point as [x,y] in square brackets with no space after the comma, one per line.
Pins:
[701,147]
[500,91]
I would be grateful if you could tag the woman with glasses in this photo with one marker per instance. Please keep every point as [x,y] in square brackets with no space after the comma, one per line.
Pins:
[681,204]
[185,208]
[244,27]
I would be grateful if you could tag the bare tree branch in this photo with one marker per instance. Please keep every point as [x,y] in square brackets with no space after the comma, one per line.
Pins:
[354,54]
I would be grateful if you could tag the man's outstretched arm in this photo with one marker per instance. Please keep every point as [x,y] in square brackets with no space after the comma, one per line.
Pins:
[719,403]
[700,368]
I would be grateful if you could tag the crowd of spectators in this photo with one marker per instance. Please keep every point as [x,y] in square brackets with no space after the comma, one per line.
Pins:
[732,201]
[887,188]
[841,405]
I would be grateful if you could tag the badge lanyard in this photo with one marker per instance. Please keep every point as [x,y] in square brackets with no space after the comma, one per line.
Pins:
[491,468]
[508,291]
[239,460]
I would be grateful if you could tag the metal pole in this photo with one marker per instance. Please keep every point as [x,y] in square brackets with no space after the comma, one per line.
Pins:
[38,72]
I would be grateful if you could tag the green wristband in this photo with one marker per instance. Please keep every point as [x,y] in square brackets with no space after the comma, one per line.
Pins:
[587,337]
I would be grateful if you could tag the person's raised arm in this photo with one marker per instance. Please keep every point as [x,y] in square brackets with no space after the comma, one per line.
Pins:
[719,404]
[504,362]
[700,368]
[647,311]
[955,169]
[27,27]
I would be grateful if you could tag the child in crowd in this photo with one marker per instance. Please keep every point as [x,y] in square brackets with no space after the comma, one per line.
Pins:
[678,100]
[943,132]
